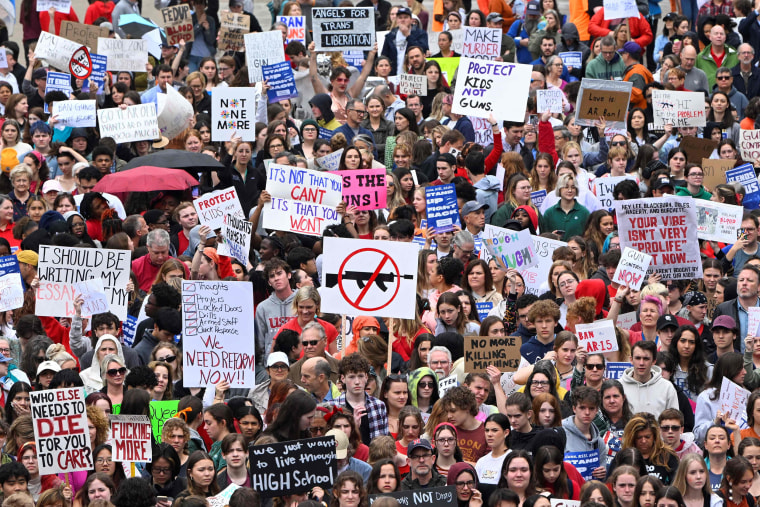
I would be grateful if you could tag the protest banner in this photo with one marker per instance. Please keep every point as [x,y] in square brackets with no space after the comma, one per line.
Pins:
[627,320]
[413,84]
[717,221]
[213,206]
[296,28]
[500,351]
[483,308]
[537,198]
[679,109]
[616,370]
[745,174]
[364,188]
[75,113]
[62,6]
[233,28]
[441,207]
[289,468]
[95,299]
[330,162]
[57,51]
[482,91]
[131,438]
[715,171]
[216,316]
[572,59]
[753,321]
[63,266]
[632,268]
[481,43]
[511,249]
[59,419]
[666,229]
[559,502]
[364,277]
[604,189]
[159,413]
[535,276]
[175,113]
[134,123]
[85,35]
[262,48]
[549,100]
[443,496]
[282,82]
[237,236]
[598,337]
[616,9]
[343,28]
[483,131]
[749,144]
[178,23]
[233,112]
[128,329]
[697,148]
[600,98]
[733,401]
[585,462]
[124,54]
[303,201]
[57,81]
[11,286]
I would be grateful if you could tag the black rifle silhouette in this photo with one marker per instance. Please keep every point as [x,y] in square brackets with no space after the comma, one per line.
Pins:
[361,278]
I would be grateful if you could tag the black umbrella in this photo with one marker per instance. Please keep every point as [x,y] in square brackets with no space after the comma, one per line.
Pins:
[177,159]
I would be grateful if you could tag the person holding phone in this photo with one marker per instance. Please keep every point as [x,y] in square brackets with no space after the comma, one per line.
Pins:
[746,246]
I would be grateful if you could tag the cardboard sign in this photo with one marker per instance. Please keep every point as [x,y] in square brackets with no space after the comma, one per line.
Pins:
[697,148]
[572,59]
[442,208]
[160,412]
[598,337]
[481,43]
[413,84]
[585,462]
[223,498]
[604,189]
[599,98]
[617,9]
[131,438]
[57,51]
[632,268]
[59,418]
[282,82]
[178,22]
[135,123]
[237,236]
[666,229]
[343,28]
[233,28]
[296,28]
[293,467]
[366,277]
[85,35]
[93,293]
[11,286]
[444,496]
[262,49]
[511,249]
[680,109]
[733,401]
[717,221]
[364,188]
[616,370]
[549,100]
[63,266]
[500,351]
[124,54]
[75,113]
[212,207]
[62,6]
[745,174]
[749,144]
[330,162]
[215,319]
[233,113]
[482,91]
[715,171]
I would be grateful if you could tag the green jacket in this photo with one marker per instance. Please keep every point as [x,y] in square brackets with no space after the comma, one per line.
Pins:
[599,68]
[702,194]
[572,223]
[706,63]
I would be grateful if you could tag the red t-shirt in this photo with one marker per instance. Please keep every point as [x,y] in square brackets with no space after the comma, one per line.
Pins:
[472,443]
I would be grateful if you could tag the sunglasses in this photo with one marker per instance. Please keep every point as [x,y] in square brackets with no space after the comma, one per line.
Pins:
[167,359]
[116,371]
[594,366]
[311,343]
[427,385]
[619,143]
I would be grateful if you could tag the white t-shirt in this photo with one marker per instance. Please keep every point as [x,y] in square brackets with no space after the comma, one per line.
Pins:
[488,468]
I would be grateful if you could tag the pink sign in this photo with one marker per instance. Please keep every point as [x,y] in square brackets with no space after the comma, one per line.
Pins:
[364,188]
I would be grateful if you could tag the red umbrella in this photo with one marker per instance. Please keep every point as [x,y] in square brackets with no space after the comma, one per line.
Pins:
[146,179]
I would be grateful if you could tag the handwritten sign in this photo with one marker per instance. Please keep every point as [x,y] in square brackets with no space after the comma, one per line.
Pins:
[233,28]
[282,82]
[680,109]
[232,113]
[598,337]
[75,113]
[62,6]
[442,208]
[343,28]
[214,206]
[444,496]
[482,91]
[616,9]
[237,236]
[733,401]
[627,320]
[500,351]
[264,48]
[160,412]
[616,370]
[481,43]
[585,462]
[749,144]
[604,188]
[600,98]
[293,467]
[124,54]
[223,498]
[413,84]
[59,418]
[364,188]
[535,276]
[511,249]
[85,35]
[57,51]
[93,293]
[330,162]
[745,174]
[715,171]
[131,438]
[717,221]
[572,59]
[549,100]
[134,123]
[178,22]
[296,27]
[632,268]
[11,286]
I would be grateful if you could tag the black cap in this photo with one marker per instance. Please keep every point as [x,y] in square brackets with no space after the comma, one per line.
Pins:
[666,321]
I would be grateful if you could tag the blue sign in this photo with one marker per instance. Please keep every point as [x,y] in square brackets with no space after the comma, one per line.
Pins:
[615,370]
[282,83]
[128,329]
[325,133]
[98,75]
[483,309]
[745,174]
[442,208]
[572,59]
[585,462]
[58,81]
[8,264]
[354,58]
[538,197]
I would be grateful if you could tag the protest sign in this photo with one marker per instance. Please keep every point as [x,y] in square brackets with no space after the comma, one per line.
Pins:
[282,82]
[263,48]
[296,28]
[124,54]
[572,59]
[159,413]
[627,320]
[413,84]
[448,65]
[585,462]
[500,351]
[441,206]
[233,28]
[364,277]
[131,438]
[85,35]
[666,229]
[483,131]
[364,188]
[483,308]
[443,496]
[95,299]
[616,9]
[63,266]
[537,197]
[745,174]
[559,502]
[134,123]
[175,113]
[717,221]
[511,249]
[632,268]
[343,28]
[535,276]
[733,401]
[57,51]
[232,112]
[753,321]
[749,144]
[98,74]
[58,81]
[680,109]
[215,319]
[178,23]
[600,98]
[237,236]
[213,206]
[75,113]
[715,171]
[330,162]
[223,498]
[62,6]
[481,43]
[59,419]
[303,201]
[604,188]
[128,329]
[549,100]
[598,337]
[697,148]
[11,286]
[616,370]
[482,90]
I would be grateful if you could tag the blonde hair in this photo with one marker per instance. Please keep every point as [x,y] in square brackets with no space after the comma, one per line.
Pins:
[20,170]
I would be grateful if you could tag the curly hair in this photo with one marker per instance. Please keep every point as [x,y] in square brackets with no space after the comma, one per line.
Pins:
[349,476]
[353,363]
[98,418]
[584,309]
[137,492]
[643,421]
[462,398]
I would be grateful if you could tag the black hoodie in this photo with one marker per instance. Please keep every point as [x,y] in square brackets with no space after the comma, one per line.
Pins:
[571,42]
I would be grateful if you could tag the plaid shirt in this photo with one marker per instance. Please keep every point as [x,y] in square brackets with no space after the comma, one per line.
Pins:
[710,9]
[376,412]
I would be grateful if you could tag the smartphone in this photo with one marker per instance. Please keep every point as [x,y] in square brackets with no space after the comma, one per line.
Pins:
[533,119]
[741,233]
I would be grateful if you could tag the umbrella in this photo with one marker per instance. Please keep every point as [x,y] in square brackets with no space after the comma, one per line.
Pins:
[177,159]
[135,25]
[145,179]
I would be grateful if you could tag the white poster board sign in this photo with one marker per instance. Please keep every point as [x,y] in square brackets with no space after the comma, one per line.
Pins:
[237,235]
[262,48]
[680,109]
[413,84]
[124,54]
[597,337]
[58,51]
[134,123]
[604,189]
[59,418]
[717,221]
[549,100]
[482,87]
[481,43]
[749,144]
[75,113]
[616,9]
[233,112]
[343,28]
[632,268]
[733,401]
[213,206]
[131,438]
[62,6]
[94,295]
[511,249]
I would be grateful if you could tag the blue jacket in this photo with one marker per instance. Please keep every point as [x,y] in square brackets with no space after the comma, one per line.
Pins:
[464,125]
[533,350]
[349,132]
[416,37]
[517,30]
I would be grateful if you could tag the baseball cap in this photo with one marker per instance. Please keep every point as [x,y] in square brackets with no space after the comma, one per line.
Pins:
[661,183]
[666,321]
[725,321]
[39,74]
[533,9]
[471,206]
[341,450]
[404,10]
[48,365]
[277,357]
[494,17]
[51,186]
[630,47]
[28,257]
[417,444]
[235,3]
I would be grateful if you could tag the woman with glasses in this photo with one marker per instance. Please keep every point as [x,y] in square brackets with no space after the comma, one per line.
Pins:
[113,371]
[309,135]
[170,354]
[464,478]
[164,472]
[694,188]
[489,466]
[447,451]
[92,377]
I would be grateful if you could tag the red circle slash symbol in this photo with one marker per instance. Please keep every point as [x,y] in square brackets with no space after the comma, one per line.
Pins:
[80,64]
[367,261]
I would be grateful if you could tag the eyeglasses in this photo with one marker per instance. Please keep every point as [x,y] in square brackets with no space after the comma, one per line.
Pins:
[427,385]
[278,145]
[279,367]
[723,78]
[310,343]
[116,371]
[359,112]
[465,484]
[697,175]
[445,441]
[419,457]
[167,359]
[670,428]
[309,129]
[541,383]
[6,352]
[161,471]
[592,367]
[101,461]
[618,143]
[316,430]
